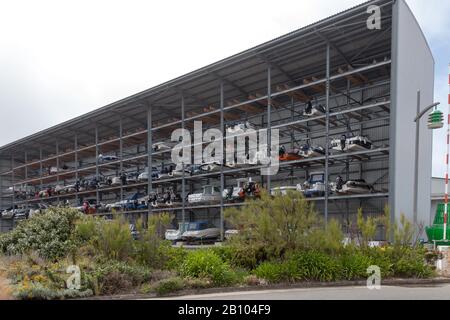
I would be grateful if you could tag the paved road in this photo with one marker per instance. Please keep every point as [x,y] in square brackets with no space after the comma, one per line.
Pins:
[437,292]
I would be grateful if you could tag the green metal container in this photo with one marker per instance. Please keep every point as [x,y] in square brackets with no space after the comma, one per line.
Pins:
[435,233]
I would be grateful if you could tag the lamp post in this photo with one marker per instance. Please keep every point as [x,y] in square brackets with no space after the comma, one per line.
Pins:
[435,121]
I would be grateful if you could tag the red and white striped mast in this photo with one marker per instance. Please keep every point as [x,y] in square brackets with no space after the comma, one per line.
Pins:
[447,161]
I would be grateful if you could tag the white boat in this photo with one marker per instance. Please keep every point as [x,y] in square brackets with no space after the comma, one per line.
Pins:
[21,190]
[314,110]
[240,128]
[358,186]
[37,209]
[209,194]
[176,234]
[211,166]
[284,190]
[229,234]
[314,186]
[202,230]
[144,175]
[344,144]
[178,171]
[244,188]
[162,146]
[53,170]
[308,151]
[59,189]
[8,191]
[235,193]
[103,158]
[165,172]
[8,213]
[116,181]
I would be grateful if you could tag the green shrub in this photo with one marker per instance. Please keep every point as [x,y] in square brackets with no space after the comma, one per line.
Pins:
[37,291]
[329,240]
[150,248]
[400,261]
[198,283]
[174,257]
[158,275]
[49,234]
[314,265]
[382,257]
[114,240]
[279,224]
[111,277]
[88,228]
[354,265]
[252,280]
[207,264]
[249,256]
[273,272]
[412,264]
[225,252]
[167,286]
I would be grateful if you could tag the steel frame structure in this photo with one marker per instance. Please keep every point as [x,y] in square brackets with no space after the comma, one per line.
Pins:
[230,90]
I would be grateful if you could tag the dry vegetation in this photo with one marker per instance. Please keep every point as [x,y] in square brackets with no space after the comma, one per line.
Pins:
[5,290]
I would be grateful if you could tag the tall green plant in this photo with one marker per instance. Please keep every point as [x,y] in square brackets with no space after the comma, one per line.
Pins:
[114,239]
[150,246]
[280,224]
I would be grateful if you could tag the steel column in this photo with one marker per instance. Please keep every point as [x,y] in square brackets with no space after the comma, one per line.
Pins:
[97,172]
[222,181]
[12,181]
[149,161]
[416,164]
[327,130]
[76,166]
[121,155]
[183,180]
[41,170]
[269,121]
[26,165]
[57,167]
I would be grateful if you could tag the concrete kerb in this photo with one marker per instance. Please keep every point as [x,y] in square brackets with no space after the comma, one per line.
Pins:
[283,286]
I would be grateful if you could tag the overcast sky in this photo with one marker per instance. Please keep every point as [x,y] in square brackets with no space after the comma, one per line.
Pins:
[60,59]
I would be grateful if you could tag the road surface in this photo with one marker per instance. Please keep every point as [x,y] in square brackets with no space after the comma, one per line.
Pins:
[435,292]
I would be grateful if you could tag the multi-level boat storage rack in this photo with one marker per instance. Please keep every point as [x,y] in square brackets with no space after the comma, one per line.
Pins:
[365,78]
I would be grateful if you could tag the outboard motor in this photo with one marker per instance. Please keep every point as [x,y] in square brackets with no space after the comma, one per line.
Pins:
[123,178]
[153,199]
[343,142]
[229,192]
[166,197]
[308,109]
[339,183]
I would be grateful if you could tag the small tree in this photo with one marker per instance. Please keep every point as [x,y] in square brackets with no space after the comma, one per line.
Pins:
[148,247]
[367,228]
[403,232]
[278,224]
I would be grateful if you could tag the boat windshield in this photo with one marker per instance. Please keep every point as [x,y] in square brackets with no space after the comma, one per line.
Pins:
[195,226]
[317,178]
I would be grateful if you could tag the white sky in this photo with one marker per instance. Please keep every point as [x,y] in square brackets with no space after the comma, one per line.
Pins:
[60,59]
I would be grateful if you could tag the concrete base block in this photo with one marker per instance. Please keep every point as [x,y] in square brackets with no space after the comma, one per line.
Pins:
[443,265]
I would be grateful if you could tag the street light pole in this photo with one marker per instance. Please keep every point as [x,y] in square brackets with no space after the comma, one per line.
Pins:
[419,115]
[447,162]
[416,163]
